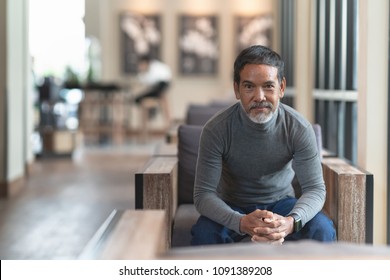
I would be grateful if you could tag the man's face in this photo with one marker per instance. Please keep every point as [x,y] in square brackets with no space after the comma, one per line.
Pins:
[259,91]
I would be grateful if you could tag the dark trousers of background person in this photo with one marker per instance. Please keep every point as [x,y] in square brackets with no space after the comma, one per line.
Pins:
[155,92]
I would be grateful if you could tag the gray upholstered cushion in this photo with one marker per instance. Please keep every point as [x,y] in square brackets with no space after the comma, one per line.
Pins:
[186,216]
[188,146]
[200,114]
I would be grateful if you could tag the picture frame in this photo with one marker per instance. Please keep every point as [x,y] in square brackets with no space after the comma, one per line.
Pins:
[253,30]
[198,45]
[140,34]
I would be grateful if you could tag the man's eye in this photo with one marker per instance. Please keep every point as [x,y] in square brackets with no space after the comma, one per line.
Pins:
[269,87]
[248,86]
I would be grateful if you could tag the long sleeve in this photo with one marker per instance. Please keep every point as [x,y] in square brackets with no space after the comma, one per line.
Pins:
[208,173]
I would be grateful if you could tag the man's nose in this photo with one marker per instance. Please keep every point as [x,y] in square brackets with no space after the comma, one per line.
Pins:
[259,94]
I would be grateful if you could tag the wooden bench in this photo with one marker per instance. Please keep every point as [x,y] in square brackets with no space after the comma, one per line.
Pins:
[128,234]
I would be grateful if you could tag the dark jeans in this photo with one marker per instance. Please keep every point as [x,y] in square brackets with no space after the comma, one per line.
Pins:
[155,91]
[206,231]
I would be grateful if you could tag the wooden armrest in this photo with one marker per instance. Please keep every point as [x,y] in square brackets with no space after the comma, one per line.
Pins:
[349,201]
[156,188]
[126,235]
[171,136]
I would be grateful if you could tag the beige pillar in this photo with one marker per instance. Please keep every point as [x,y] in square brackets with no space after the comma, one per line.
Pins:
[372,103]
[14,71]
[304,56]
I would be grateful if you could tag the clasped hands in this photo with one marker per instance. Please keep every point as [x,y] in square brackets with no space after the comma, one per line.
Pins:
[266,226]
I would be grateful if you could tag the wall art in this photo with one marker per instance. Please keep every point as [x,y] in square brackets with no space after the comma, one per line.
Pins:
[198,45]
[253,30]
[140,35]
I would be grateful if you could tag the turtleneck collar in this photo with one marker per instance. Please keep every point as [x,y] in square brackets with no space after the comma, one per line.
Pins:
[264,127]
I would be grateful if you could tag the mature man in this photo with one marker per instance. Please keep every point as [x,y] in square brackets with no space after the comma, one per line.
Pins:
[248,157]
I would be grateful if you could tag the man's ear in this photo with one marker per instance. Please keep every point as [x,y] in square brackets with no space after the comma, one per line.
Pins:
[236,91]
[282,88]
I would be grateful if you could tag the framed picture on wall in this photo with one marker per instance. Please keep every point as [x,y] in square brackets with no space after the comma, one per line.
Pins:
[140,35]
[253,30]
[198,45]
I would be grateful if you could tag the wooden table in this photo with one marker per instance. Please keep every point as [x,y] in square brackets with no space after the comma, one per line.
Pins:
[140,235]
[294,250]
[128,234]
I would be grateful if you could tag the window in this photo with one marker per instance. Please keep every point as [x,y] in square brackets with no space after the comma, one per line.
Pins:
[57,36]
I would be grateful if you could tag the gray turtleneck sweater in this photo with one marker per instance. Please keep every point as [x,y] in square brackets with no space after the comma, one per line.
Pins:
[246,163]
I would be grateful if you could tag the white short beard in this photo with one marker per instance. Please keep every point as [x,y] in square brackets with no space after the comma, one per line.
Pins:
[262,118]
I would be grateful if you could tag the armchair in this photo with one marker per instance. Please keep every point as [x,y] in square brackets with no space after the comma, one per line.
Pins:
[166,182]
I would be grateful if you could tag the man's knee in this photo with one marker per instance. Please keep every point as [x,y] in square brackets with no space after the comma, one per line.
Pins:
[202,232]
[206,231]
[322,228]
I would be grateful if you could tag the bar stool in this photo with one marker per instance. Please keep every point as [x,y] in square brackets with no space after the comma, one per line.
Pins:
[160,105]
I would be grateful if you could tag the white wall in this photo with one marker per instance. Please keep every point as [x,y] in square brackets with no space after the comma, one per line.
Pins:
[16,85]
[184,89]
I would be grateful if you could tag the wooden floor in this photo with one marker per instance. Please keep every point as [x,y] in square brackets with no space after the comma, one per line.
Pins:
[65,200]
